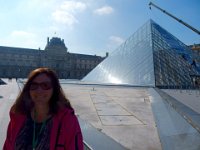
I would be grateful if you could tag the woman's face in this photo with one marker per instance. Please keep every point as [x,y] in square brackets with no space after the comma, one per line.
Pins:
[41,89]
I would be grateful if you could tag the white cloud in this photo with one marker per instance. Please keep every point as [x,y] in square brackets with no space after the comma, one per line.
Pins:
[73,7]
[104,10]
[66,13]
[114,42]
[64,17]
[21,39]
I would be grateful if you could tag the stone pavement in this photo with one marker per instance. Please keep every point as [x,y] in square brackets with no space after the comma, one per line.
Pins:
[114,117]
[122,113]
[8,93]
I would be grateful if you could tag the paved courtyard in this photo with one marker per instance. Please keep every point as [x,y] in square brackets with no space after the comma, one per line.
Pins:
[124,114]
[115,117]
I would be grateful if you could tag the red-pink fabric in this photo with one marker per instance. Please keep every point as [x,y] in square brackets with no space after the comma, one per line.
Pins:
[70,136]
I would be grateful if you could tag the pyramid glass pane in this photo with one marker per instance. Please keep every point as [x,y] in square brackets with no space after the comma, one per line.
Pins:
[131,63]
[150,57]
[172,60]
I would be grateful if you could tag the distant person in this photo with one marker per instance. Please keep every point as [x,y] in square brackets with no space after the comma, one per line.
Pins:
[42,118]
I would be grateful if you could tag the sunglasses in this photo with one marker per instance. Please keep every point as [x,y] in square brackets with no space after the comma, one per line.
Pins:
[42,85]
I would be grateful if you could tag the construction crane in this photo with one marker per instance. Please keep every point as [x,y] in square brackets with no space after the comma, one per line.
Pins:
[182,22]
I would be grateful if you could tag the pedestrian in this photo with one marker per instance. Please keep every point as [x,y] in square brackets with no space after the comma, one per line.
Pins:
[42,117]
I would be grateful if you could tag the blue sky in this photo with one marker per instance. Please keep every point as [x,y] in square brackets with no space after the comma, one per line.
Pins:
[91,26]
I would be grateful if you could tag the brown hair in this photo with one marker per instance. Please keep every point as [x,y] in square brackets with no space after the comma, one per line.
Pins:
[24,104]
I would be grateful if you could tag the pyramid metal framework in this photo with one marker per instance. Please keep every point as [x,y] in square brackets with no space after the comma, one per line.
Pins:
[150,57]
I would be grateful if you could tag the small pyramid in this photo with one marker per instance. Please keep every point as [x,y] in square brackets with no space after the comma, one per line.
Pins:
[150,57]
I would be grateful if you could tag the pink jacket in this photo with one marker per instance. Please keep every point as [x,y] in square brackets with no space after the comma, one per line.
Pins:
[65,132]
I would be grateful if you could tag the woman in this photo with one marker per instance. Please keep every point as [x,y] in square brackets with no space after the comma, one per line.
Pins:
[42,117]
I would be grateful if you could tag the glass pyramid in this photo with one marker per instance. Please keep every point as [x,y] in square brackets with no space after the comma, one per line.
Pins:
[150,57]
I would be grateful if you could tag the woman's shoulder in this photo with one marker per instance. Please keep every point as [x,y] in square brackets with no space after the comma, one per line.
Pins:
[66,115]
[17,118]
[65,111]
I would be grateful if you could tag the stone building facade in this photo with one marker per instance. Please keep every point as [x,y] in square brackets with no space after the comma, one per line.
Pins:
[18,62]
